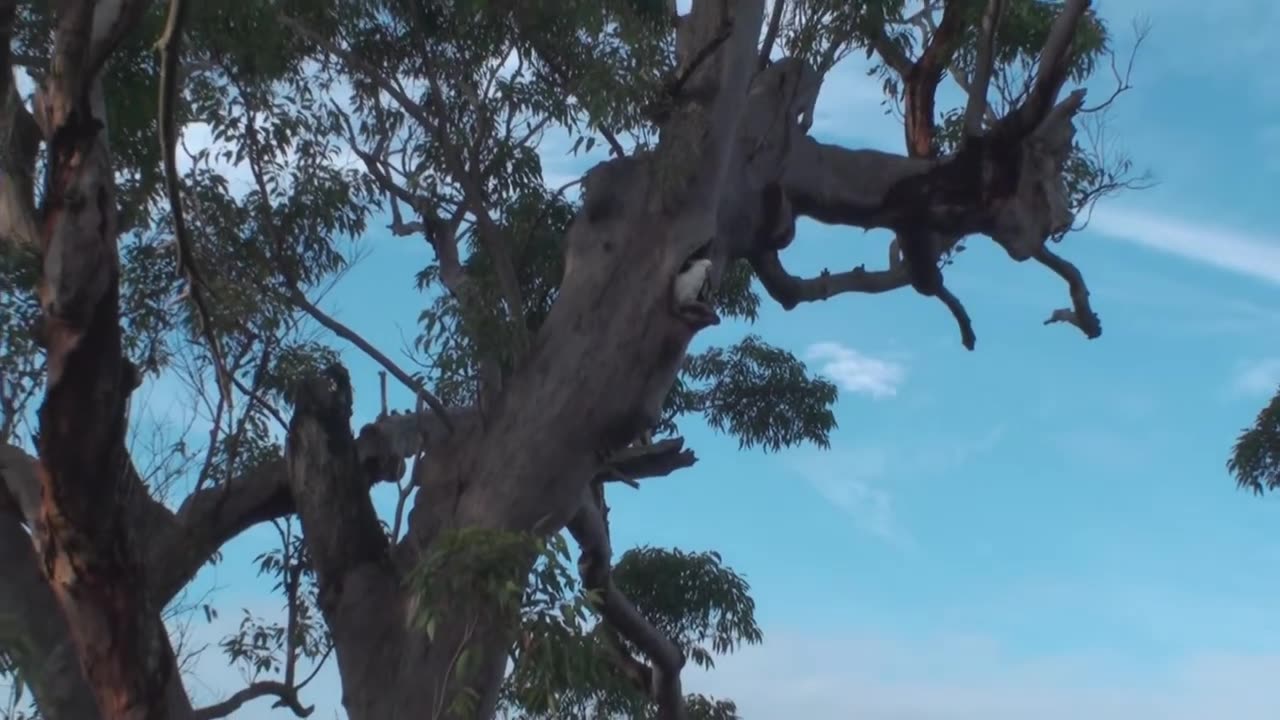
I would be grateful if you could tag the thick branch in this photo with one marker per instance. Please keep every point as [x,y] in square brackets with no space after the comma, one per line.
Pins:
[920,78]
[771,34]
[983,66]
[647,461]
[595,565]
[1052,71]
[286,697]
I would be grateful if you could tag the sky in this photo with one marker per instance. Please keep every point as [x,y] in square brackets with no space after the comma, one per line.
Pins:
[1041,528]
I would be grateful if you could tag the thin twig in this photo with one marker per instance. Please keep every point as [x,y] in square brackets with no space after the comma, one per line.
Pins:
[170,48]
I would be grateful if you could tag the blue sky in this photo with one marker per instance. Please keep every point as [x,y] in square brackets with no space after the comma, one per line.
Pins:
[1041,528]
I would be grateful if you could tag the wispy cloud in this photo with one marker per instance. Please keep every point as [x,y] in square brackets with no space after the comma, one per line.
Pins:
[1226,248]
[855,372]
[947,676]
[1259,377]
[849,480]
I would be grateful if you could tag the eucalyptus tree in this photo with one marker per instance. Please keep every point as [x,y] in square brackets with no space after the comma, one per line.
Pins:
[550,350]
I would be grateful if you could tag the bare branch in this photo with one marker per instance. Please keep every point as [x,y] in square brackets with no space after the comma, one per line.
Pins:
[351,336]
[967,338]
[286,697]
[1081,315]
[591,532]
[1141,29]
[170,47]
[771,35]
[647,461]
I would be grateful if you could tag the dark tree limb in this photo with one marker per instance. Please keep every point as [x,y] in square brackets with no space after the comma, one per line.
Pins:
[87,545]
[920,78]
[595,565]
[647,461]
[1005,183]
[1081,314]
[771,34]
[285,695]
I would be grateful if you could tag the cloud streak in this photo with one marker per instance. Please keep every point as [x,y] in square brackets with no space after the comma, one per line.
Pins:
[855,372]
[873,676]
[1260,377]
[1225,248]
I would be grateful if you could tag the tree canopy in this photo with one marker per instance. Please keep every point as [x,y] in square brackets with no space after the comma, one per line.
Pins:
[548,364]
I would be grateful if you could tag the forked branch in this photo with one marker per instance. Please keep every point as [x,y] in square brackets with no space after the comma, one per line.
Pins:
[285,696]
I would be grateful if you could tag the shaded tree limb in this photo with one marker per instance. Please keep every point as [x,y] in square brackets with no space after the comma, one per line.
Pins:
[920,78]
[984,64]
[286,696]
[771,34]
[595,563]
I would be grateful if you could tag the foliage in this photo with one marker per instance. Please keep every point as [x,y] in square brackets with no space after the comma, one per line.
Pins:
[1255,459]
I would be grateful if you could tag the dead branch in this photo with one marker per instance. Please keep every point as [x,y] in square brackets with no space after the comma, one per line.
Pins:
[286,697]
[1081,314]
[595,563]
[647,461]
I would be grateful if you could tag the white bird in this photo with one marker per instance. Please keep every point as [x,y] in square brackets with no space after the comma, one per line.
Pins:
[692,293]
[693,282]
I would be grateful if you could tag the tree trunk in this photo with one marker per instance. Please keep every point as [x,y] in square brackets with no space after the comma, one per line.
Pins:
[86,544]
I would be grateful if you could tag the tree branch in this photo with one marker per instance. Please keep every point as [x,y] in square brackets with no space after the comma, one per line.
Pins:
[771,35]
[287,697]
[170,47]
[591,532]
[983,66]
[647,461]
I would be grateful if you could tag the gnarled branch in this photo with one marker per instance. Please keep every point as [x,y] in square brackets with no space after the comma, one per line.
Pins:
[595,564]
[286,697]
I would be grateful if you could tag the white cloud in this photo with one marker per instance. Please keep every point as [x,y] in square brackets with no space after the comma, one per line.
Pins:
[1260,377]
[873,676]
[855,372]
[1222,247]
[849,480]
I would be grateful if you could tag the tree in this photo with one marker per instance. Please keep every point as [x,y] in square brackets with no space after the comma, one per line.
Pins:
[550,346]
[1255,459]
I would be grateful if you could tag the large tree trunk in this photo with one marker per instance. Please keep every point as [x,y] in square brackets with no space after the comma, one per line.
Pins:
[87,547]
